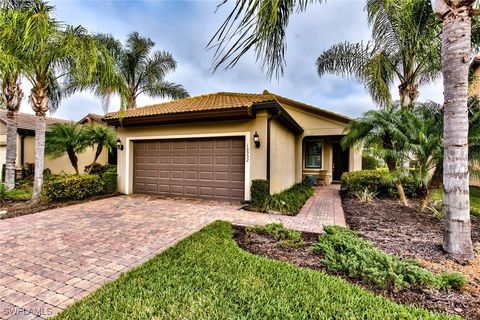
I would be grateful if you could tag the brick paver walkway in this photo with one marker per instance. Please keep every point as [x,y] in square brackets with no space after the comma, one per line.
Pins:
[52,258]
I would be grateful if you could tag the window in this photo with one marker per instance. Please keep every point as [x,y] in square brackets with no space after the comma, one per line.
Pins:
[313,154]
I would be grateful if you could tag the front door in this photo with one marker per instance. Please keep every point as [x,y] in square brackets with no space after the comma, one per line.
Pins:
[340,161]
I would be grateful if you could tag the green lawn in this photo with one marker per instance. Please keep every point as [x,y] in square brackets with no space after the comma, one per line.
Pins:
[207,276]
[474,199]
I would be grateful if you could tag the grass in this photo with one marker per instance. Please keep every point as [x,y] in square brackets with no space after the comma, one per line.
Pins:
[19,194]
[474,199]
[207,276]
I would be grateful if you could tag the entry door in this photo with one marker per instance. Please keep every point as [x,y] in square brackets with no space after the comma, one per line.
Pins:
[340,161]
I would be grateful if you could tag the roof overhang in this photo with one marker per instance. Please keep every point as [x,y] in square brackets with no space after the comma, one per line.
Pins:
[184,117]
[280,114]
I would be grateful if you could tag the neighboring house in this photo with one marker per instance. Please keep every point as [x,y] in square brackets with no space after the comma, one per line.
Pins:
[92,118]
[26,146]
[205,146]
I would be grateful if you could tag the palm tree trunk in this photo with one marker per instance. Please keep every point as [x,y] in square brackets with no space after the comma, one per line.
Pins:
[408,93]
[434,183]
[12,96]
[40,127]
[11,157]
[98,152]
[456,46]
[73,160]
[392,167]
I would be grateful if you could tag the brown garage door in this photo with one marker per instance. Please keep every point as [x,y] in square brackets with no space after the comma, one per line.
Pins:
[212,168]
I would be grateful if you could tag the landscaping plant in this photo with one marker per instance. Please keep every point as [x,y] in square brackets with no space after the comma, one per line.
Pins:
[284,236]
[345,253]
[288,202]
[71,187]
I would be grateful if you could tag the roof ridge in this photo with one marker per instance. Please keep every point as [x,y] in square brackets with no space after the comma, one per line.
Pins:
[33,115]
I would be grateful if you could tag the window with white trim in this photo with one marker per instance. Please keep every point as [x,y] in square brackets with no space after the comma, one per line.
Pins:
[313,154]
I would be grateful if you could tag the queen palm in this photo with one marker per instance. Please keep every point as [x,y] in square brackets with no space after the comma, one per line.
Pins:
[50,52]
[456,49]
[139,71]
[404,47]
[11,90]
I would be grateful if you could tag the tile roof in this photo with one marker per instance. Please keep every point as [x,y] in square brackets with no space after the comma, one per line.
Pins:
[91,117]
[213,101]
[26,121]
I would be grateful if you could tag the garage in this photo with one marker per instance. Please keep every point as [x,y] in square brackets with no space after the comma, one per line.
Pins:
[207,168]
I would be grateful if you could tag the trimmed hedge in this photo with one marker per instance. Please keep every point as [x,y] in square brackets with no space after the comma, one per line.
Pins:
[288,202]
[109,179]
[375,181]
[344,252]
[71,187]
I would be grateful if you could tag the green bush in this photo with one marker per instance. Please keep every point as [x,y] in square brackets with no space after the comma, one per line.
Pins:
[369,162]
[284,236]
[289,201]
[71,187]
[344,252]
[375,181]
[17,194]
[99,169]
[258,193]
[109,179]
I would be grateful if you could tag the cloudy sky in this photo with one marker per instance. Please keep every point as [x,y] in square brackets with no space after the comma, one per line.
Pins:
[184,28]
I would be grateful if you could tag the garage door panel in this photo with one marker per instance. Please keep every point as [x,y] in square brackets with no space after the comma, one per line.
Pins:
[210,168]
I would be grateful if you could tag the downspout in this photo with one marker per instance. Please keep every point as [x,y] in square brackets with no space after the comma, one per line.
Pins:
[269,120]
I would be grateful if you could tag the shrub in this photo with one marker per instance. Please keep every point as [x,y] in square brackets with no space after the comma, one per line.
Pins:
[71,187]
[284,236]
[17,194]
[375,181]
[258,193]
[344,252]
[365,195]
[369,162]
[109,179]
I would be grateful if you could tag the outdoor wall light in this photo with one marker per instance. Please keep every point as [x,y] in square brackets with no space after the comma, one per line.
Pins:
[119,144]
[256,139]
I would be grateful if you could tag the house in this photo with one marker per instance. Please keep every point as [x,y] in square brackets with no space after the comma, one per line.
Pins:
[92,118]
[26,146]
[212,146]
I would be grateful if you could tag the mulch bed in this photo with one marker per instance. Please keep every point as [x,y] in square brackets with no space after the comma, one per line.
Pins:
[21,208]
[465,304]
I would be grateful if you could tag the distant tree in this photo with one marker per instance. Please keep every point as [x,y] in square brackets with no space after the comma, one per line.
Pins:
[404,47]
[139,70]
[99,137]
[50,52]
[66,138]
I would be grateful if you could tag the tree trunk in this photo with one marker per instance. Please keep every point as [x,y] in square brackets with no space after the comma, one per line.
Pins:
[73,160]
[11,157]
[98,152]
[435,182]
[39,102]
[12,96]
[456,46]
[40,127]
[408,93]
[392,167]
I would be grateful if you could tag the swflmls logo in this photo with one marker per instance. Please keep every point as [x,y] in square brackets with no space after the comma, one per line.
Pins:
[17,311]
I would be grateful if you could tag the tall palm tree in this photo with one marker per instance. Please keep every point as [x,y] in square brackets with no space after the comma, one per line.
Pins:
[11,90]
[51,52]
[99,137]
[404,47]
[139,71]
[456,48]
[66,138]
[382,130]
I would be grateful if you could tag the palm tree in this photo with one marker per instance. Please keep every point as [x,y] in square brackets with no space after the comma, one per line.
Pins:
[11,90]
[99,137]
[404,48]
[51,52]
[382,131]
[66,138]
[139,71]
[456,48]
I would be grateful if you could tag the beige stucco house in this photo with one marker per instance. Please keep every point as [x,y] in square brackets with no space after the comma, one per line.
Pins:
[212,146]
[26,145]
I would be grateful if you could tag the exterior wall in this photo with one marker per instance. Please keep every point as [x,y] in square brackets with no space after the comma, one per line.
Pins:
[282,157]
[3,146]
[323,128]
[62,164]
[255,157]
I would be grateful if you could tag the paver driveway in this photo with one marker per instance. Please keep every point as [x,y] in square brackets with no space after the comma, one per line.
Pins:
[52,258]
